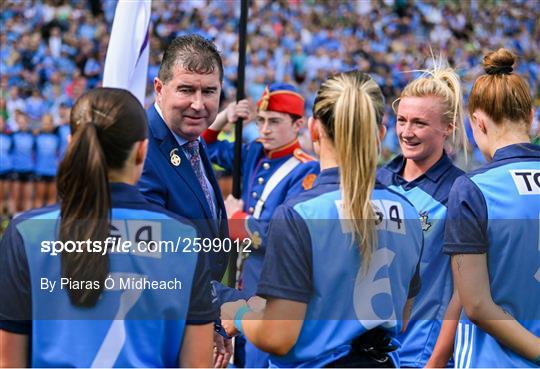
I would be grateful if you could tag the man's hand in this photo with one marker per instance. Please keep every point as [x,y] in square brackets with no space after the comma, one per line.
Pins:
[232,205]
[228,312]
[223,351]
[243,109]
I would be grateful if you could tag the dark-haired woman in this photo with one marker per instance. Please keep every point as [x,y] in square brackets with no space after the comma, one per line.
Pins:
[492,228]
[341,257]
[102,296]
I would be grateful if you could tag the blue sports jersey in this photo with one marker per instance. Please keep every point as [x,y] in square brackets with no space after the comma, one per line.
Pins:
[496,210]
[23,151]
[46,154]
[129,326]
[258,168]
[6,163]
[63,132]
[429,194]
[311,258]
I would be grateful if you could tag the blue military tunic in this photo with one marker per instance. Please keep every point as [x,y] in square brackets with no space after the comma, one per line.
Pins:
[429,194]
[129,326]
[312,259]
[495,211]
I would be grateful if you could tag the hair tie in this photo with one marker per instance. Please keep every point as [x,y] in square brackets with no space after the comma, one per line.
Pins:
[100,113]
[506,69]
[95,126]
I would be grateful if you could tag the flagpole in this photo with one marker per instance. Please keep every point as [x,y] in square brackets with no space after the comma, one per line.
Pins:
[240,94]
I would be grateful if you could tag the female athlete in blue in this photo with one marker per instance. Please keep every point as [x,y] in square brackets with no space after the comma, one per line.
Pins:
[492,229]
[46,152]
[342,256]
[22,154]
[429,111]
[102,305]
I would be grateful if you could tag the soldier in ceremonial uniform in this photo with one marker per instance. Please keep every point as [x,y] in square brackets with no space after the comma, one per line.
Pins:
[275,168]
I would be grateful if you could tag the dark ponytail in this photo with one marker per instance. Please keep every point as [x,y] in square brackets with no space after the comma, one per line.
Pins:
[105,124]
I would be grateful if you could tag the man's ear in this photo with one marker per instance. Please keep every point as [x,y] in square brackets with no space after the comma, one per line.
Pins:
[142,148]
[297,124]
[158,86]
[313,129]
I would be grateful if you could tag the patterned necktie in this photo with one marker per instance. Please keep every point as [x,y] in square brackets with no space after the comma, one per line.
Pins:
[192,148]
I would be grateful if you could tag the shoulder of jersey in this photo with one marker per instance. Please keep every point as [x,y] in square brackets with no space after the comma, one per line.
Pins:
[303,156]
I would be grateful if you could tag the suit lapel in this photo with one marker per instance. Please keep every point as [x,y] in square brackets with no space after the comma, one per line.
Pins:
[169,146]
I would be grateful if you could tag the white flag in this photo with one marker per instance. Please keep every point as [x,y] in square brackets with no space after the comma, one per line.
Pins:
[126,64]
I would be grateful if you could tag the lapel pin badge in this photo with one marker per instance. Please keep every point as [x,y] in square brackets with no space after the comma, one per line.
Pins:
[175,159]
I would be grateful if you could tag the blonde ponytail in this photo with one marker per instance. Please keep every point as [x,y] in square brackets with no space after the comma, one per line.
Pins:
[350,107]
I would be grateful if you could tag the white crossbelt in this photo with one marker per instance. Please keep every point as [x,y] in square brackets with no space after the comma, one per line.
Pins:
[274,180]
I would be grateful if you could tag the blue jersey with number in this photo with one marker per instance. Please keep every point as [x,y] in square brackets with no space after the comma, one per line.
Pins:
[132,324]
[429,195]
[47,146]
[312,258]
[6,163]
[495,210]
[258,170]
[23,152]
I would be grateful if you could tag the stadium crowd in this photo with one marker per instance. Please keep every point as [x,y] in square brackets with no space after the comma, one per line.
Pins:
[52,51]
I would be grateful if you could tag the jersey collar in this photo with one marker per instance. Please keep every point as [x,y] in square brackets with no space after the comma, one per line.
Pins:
[283,151]
[331,176]
[328,176]
[434,173]
[123,192]
[516,151]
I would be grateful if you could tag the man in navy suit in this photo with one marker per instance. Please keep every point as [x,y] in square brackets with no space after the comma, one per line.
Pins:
[177,174]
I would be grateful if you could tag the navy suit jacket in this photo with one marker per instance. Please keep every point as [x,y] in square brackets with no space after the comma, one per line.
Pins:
[177,188]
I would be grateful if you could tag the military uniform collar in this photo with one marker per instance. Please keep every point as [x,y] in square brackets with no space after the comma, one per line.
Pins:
[283,151]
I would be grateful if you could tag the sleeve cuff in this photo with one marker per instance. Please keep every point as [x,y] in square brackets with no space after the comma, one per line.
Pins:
[237,225]
[210,136]
[19,327]
[198,322]
[281,292]
[453,249]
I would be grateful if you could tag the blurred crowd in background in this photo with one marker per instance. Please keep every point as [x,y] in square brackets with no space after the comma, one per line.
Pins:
[54,50]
